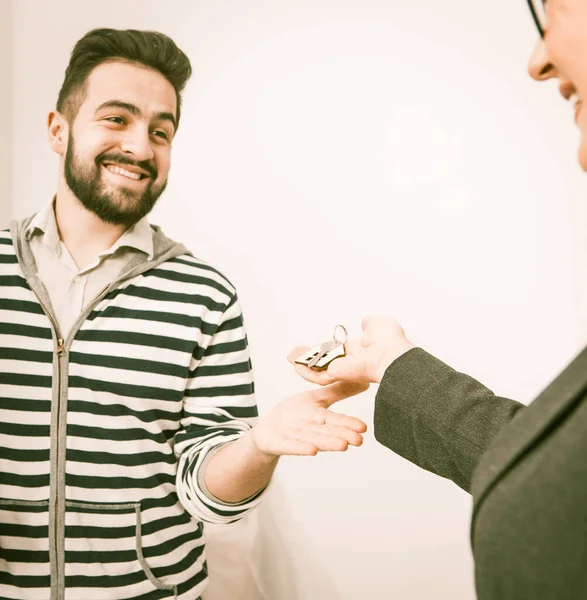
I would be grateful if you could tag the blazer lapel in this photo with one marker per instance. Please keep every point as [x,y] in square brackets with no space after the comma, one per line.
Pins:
[529,426]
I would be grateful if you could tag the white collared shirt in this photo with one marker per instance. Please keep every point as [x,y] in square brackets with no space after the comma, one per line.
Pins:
[71,289]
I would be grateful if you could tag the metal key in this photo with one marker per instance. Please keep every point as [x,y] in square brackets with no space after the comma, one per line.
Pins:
[319,357]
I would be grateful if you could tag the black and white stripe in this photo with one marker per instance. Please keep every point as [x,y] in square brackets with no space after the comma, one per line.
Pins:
[98,485]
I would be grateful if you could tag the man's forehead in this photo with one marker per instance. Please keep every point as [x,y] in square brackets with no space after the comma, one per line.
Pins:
[145,88]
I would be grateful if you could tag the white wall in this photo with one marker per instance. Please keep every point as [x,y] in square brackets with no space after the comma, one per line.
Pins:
[338,158]
[6,60]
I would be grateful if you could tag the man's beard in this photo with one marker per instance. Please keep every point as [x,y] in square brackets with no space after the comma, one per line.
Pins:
[122,206]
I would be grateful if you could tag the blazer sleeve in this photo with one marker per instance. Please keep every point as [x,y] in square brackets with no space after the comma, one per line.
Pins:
[439,419]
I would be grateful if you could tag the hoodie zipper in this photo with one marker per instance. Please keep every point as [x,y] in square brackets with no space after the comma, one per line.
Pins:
[60,352]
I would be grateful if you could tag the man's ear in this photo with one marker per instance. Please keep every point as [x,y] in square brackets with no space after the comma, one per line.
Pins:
[58,129]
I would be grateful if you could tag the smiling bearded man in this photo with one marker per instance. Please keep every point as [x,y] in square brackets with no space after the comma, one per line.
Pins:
[126,389]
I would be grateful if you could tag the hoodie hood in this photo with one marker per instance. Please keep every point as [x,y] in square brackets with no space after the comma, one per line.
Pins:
[164,249]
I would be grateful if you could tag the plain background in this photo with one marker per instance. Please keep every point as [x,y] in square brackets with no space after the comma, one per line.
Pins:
[6,61]
[343,158]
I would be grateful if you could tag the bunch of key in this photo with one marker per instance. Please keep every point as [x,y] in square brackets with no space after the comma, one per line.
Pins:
[319,357]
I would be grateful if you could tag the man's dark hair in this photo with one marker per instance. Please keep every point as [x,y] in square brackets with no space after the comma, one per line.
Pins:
[147,48]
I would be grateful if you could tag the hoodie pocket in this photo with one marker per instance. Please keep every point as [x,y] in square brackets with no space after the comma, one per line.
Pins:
[25,571]
[104,555]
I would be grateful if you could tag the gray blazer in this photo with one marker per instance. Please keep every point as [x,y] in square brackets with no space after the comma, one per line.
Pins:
[526,468]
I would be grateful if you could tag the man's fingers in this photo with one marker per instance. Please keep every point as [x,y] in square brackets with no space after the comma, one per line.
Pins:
[344,433]
[345,421]
[325,443]
[339,391]
[298,447]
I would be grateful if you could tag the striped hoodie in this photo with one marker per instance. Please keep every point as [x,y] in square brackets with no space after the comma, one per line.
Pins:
[102,434]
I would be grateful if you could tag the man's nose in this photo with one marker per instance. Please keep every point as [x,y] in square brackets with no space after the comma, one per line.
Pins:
[540,66]
[137,142]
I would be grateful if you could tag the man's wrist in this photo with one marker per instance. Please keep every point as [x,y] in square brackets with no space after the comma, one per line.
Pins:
[255,449]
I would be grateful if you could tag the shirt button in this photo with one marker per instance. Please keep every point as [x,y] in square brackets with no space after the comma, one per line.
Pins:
[77,279]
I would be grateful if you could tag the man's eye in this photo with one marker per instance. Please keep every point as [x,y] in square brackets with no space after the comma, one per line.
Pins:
[117,120]
[162,134]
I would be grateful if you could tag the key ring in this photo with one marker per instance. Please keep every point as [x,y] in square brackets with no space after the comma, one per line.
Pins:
[346,334]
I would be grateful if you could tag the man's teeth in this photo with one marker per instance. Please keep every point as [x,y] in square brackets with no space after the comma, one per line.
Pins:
[575,99]
[121,171]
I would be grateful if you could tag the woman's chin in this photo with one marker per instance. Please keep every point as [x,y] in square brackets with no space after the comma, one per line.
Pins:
[583,153]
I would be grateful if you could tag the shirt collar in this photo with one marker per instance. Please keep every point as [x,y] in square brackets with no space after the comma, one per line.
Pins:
[139,236]
[44,223]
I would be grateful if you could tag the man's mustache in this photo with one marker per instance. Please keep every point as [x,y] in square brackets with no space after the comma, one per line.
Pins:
[121,159]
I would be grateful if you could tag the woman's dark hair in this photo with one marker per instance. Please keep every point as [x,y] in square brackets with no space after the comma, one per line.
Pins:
[147,48]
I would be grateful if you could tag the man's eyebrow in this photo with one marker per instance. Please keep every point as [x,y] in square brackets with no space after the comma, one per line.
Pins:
[135,110]
[165,116]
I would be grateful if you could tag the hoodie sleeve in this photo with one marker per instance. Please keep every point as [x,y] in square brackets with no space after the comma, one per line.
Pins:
[219,407]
